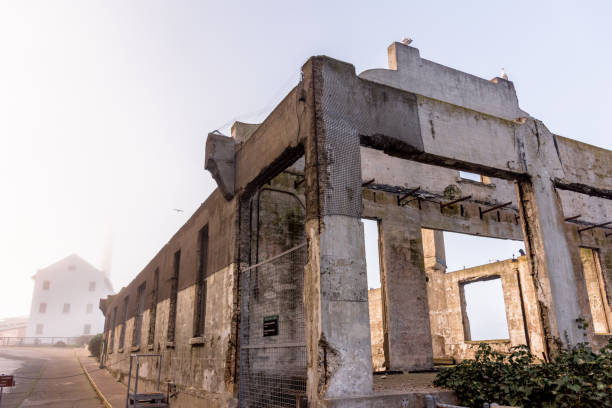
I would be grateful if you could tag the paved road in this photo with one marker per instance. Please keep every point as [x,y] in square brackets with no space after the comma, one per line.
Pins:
[45,377]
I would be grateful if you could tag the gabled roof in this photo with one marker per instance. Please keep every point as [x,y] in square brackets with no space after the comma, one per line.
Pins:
[71,259]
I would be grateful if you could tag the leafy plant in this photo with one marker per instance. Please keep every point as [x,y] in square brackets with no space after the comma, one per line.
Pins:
[95,346]
[578,377]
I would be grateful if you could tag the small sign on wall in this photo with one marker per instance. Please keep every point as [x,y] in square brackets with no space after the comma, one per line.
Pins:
[270,326]
[7,381]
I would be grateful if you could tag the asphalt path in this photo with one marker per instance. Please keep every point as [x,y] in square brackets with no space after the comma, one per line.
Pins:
[45,377]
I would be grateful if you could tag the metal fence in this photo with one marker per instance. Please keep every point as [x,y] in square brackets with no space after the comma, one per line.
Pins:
[272,338]
[44,341]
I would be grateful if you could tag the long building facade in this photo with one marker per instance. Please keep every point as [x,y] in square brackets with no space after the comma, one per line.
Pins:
[261,298]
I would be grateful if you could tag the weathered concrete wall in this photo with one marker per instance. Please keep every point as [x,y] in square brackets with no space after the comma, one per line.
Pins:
[459,345]
[204,370]
[396,172]
[200,371]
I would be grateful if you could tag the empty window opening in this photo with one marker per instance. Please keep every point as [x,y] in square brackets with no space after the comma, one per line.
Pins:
[87,329]
[466,175]
[42,308]
[112,336]
[200,304]
[370,233]
[46,285]
[173,296]
[71,267]
[464,251]
[66,308]
[140,301]
[92,286]
[372,253]
[153,307]
[39,328]
[89,308]
[484,310]
[126,302]
[600,309]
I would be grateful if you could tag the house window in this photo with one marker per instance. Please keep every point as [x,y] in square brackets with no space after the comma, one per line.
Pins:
[42,308]
[89,308]
[173,296]
[39,328]
[92,286]
[139,311]
[66,308]
[71,267]
[153,307]
[87,329]
[200,301]
[46,285]
[126,301]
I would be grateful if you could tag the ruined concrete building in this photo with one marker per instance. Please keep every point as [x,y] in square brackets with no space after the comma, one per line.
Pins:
[261,298]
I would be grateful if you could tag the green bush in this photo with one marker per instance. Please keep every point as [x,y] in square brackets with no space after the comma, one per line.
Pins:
[95,345]
[578,377]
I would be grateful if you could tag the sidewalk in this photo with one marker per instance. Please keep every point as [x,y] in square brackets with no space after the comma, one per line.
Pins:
[112,391]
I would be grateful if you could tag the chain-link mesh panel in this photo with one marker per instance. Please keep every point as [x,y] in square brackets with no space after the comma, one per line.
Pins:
[272,332]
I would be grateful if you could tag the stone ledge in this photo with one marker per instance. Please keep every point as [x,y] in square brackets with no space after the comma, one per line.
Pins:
[120,350]
[135,348]
[196,341]
[150,347]
[169,344]
[392,399]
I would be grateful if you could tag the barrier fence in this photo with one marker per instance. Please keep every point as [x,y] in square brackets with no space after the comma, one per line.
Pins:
[44,341]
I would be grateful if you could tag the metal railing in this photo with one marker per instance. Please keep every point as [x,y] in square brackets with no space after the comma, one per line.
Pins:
[44,341]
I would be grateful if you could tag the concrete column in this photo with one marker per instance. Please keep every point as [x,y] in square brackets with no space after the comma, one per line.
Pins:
[517,332]
[530,303]
[552,252]
[335,283]
[553,260]
[595,289]
[435,268]
[434,254]
[407,310]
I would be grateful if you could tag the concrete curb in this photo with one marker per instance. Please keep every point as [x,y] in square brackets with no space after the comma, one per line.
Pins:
[93,384]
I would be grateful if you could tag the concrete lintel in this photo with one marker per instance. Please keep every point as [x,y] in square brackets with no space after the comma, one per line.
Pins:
[409,72]
[220,161]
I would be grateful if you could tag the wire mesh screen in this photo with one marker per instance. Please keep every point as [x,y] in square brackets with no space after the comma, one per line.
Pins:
[272,342]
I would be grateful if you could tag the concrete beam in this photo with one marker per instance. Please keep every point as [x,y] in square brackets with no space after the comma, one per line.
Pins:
[409,72]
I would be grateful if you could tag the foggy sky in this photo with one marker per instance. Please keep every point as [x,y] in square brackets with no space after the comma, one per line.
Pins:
[105,105]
